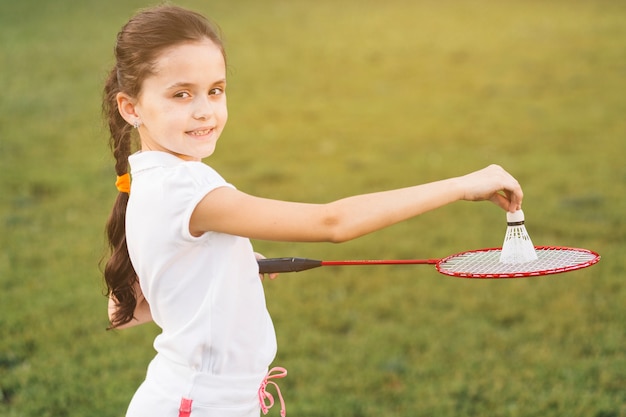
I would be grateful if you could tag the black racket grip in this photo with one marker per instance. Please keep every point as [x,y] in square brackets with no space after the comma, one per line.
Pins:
[275,265]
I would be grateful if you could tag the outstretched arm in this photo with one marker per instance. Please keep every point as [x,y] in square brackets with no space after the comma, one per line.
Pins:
[230,211]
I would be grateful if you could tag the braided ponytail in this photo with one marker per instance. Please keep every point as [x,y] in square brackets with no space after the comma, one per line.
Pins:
[119,274]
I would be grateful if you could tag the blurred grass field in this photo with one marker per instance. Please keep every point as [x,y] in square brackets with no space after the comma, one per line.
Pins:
[327,99]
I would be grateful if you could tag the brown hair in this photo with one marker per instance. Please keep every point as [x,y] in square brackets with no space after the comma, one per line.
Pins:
[139,44]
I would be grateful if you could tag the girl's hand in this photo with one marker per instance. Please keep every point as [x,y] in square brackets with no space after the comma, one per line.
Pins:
[272,276]
[494,184]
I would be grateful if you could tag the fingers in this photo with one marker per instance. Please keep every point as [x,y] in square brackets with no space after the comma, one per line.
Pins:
[510,195]
[514,194]
[271,276]
[496,185]
[505,202]
[262,276]
[515,200]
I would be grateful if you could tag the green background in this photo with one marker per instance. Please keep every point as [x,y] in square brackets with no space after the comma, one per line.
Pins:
[329,99]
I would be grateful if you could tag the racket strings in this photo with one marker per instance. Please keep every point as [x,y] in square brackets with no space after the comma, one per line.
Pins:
[486,263]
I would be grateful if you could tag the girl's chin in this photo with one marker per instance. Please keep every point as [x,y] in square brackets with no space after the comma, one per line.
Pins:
[198,154]
[192,152]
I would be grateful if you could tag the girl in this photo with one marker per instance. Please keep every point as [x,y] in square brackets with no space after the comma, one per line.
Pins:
[179,236]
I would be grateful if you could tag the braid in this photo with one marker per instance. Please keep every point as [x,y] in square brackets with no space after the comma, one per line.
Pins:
[119,274]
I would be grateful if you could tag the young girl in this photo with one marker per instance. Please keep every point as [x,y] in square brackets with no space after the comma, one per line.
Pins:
[179,235]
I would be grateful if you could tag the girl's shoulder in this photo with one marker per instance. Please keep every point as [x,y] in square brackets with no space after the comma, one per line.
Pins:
[176,173]
[149,160]
[198,172]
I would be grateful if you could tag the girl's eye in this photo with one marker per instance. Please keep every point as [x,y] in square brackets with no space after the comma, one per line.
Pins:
[182,94]
[216,91]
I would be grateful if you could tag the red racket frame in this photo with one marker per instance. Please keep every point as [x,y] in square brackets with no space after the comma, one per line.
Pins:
[278,265]
[526,274]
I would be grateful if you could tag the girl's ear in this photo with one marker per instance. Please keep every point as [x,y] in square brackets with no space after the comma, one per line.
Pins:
[126,107]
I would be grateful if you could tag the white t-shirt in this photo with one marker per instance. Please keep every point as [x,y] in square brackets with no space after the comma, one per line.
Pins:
[204,292]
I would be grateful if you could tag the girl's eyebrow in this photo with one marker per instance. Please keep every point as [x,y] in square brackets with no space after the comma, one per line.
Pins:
[184,84]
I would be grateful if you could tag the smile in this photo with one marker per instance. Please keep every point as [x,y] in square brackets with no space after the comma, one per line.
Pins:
[203,132]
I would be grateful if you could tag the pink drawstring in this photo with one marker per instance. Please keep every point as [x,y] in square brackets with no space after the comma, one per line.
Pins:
[274,373]
[185,407]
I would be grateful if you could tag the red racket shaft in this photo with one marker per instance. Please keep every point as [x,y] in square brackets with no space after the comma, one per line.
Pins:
[275,265]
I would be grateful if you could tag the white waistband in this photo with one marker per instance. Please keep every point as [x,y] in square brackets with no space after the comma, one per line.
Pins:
[204,388]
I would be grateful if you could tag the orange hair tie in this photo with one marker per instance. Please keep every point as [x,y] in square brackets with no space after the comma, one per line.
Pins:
[123,183]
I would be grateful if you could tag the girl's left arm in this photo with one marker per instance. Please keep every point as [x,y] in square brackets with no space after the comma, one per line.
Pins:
[231,211]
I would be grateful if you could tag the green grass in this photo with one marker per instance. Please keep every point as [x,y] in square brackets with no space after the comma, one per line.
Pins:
[326,99]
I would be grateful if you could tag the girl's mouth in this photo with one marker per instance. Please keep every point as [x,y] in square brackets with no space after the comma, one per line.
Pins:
[202,132]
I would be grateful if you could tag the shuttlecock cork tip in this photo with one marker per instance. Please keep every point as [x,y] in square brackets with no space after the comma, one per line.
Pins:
[516,218]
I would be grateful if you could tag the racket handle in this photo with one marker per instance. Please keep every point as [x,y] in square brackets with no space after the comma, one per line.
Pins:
[274,265]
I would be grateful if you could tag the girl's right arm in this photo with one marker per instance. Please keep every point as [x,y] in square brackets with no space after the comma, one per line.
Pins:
[230,211]
[142,312]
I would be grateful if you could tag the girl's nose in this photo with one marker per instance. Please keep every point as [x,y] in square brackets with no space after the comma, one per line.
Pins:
[203,108]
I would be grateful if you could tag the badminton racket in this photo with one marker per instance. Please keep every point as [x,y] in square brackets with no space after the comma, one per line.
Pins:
[481,263]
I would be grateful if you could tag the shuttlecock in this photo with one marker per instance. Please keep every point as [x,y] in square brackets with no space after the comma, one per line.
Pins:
[517,247]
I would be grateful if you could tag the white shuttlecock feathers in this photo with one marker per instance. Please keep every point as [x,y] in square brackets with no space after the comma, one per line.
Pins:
[517,247]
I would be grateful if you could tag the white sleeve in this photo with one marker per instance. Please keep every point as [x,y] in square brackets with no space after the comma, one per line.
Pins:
[187,185]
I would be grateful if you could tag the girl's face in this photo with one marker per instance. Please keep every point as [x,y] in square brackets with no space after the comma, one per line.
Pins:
[182,107]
